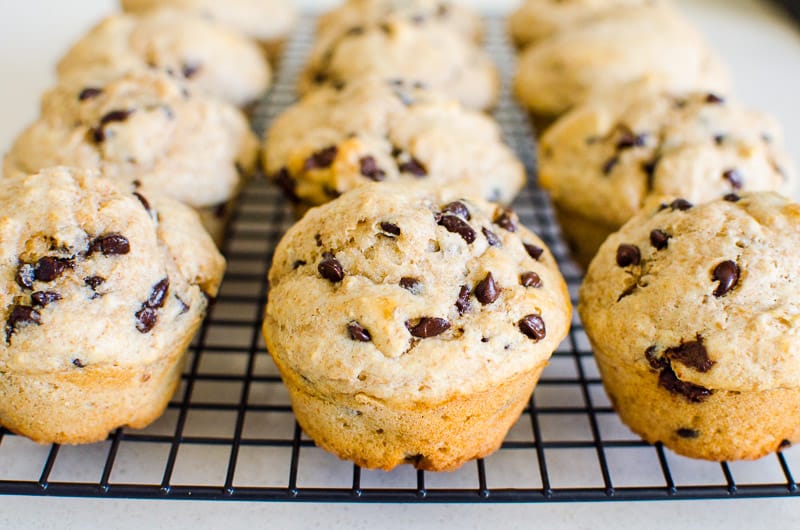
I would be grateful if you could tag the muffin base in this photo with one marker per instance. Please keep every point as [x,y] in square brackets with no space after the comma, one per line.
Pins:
[726,426]
[582,234]
[380,434]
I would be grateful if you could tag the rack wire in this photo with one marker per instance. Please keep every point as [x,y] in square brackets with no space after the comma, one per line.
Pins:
[230,434]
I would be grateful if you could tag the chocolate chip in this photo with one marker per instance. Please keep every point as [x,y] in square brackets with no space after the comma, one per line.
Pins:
[94,281]
[115,115]
[731,197]
[719,139]
[458,209]
[685,432]
[532,326]
[320,77]
[298,263]
[221,210]
[659,239]
[693,393]
[390,228]
[734,177]
[491,237]
[189,70]
[458,226]
[89,93]
[412,285]
[428,327]
[25,275]
[21,314]
[358,333]
[504,218]
[487,291]
[692,354]
[714,99]
[462,302]
[657,363]
[78,363]
[318,239]
[330,268]
[369,168]
[413,166]
[49,268]
[608,165]
[533,251]
[680,204]
[110,245]
[146,319]
[142,200]
[628,140]
[42,298]
[321,159]
[97,134]
[628,255]
[530,279]
[286,183]
[727,274]
[650,170]
[158,294]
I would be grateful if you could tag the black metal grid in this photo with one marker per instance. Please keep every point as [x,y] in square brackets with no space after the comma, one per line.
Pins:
[230,434]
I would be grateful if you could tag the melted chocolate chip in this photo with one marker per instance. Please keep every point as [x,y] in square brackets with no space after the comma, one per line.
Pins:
[628,140]
[734,177]
[428,327]
[189,70]
[412,285]
[321,159]
[358,332]
[680,204]
[21,314]
[659,239]
[146,319]
[330,268]
[504,218]
[608,165]
[49,268]
[685,432]
[286,183]
[25,275]
[532,326]
[692,354]
[158,294]
[727,274]
[719,139]
[78,363]
[110,245]
[42,298]
[94,281]
[390,228]
[491,237]
[714,99]
[369,168]
[462,302]
[731,197]
[628,255]
[657,363]
[487,291]
[413,166]
[530,279]
[89,93]
[115,115]
[691,392]
[458,209]
[533,251]
[458,226]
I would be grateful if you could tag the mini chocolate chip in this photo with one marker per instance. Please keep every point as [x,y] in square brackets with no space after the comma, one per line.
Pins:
[719,139]
[78,363]
[462,302]
[330,268]
[659,239]
[692,354]
[321,159]
[320,77]
[390,228]
[608,165]
[533,251]
[158,294]
[369,168]
[89,93]
[532,326]
[110,245]
[680,204]
[413,166]
[94,281]
[146,319]
[487,291]
[298,263]
[189,70]
[504,218]
[727,274]
[628,255]
[428,327]
[115,115]
[657,363]
[142,200]
[42,298]
[137,183]
[411,284]
[685,432]
[358,332]
[458,226]
[484,339]
[628,140]
[691,392]
[318,239]
[491,237]
[50,268]
[25,275]
[21,314]
[97,134]
[713,98]
[734,177]
[530,279]
[457,208]
[732,197]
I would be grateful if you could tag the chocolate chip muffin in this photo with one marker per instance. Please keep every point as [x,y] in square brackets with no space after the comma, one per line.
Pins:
[602,161]
[368,130]
[147,133]
[535,20]
[429,53]
[627,44]
[355,13]
[103,290]
[693,315]
[410,326]
[212,58]
[266,21]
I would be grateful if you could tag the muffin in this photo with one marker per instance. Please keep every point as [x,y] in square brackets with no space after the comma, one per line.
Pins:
[268,22]
[147,133]
[627,44]
[354,13]
[370,130]
[399,49]
[693,315]
[410,326]
[601,161]
[212,58]
[535,20]
[103,292]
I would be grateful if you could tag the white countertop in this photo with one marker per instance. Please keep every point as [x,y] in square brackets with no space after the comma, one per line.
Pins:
[764,52]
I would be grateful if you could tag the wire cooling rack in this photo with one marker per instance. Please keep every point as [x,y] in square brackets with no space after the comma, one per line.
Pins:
[230,432]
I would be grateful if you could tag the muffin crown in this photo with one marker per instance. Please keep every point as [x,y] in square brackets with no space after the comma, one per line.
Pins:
[708,294]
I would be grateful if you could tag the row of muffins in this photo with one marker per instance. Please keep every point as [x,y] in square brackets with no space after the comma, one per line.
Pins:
[109,205]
